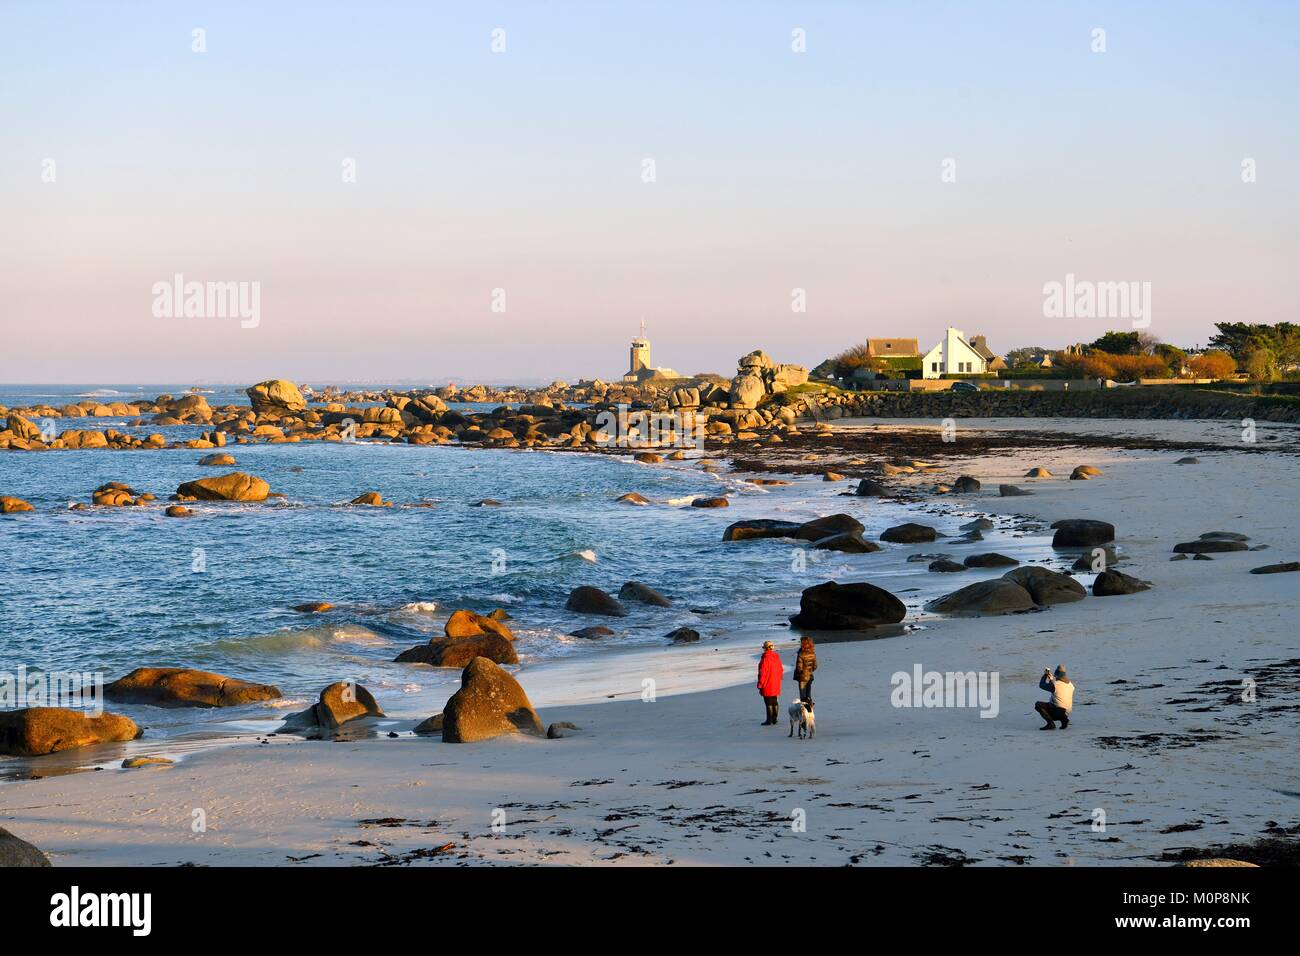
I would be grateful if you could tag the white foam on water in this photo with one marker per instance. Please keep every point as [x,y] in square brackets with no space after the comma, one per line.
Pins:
[419,607]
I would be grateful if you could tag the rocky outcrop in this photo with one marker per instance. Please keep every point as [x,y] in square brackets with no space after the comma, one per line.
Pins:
[36,731]
[19,853]
[985,597]
[276,397]
[592,600]
[490,703]
[467,635]
[235,486]
[758,377]
[185,687]
[847,607]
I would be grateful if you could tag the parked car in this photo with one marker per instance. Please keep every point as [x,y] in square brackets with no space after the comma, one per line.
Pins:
[960,386]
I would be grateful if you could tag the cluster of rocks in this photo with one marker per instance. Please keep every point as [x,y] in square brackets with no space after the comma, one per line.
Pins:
[466,636]
[594,601]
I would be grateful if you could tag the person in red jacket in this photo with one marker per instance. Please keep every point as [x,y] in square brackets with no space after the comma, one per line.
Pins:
[770,672]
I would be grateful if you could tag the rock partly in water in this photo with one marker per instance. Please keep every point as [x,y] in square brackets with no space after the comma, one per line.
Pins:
[490,703]
[10,505]
[839,607]
[135,763]
[184,687]
[717,501]
[235,486]
[459,651]
[36,731]
[642,593]
[178,511]
[632,498]
[760,528]
[946,566]
[870,488]
[593,633]
[683,635]
[313,607]
[220,459]
[990,560]
[592,600]
[850,542]
[276,396]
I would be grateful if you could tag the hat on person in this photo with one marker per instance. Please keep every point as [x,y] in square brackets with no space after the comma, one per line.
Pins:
[768,645]
[1060,670]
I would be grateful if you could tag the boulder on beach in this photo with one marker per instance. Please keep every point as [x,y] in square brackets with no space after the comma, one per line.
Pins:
[592,600]
[1110,583]
[339,703]
[219,459]
[235,486]
[1047,587]
[185,687]
[1084,472]
[1211,545]
[908,533]
[490,703]
[998,596]
[966,485]
[136,763]
[990,560]
[459,651]
[643,593]
[1282,568]
[847,607]
[1038,472]
[683,635]
[870,488]
[760,528]
[1012,491]
[429,726]
[10,505]
[1189,460]
[276,396]
[1081,533]
[560,729]
[15,852]
[36,731]
[648,458]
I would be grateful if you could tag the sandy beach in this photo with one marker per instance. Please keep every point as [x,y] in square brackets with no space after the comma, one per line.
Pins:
[1161,742]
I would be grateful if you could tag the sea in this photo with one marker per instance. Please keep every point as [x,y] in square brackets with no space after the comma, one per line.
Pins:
[106,590]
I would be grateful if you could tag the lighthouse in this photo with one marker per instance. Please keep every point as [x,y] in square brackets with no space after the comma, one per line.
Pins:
[638,355]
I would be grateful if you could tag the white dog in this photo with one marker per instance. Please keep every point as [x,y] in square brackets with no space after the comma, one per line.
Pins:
[802,716]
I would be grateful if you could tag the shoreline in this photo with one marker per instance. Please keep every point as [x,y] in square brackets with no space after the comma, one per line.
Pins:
[1026,796]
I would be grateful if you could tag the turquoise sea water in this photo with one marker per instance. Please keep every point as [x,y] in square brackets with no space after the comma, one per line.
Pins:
[110,589]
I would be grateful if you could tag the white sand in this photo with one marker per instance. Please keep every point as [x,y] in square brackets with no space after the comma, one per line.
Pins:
[692,779]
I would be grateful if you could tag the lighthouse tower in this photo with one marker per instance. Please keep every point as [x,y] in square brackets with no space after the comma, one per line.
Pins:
[639,355]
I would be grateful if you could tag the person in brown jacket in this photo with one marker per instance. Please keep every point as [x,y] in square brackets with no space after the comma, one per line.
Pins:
[804,665]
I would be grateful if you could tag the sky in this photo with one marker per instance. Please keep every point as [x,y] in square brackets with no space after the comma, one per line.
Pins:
[918,165]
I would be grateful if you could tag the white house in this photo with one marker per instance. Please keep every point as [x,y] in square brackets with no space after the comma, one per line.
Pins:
[953,356]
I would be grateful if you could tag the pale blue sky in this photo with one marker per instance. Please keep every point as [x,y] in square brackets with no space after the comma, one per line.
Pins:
[521,171]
